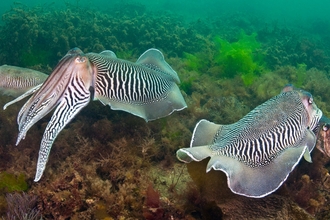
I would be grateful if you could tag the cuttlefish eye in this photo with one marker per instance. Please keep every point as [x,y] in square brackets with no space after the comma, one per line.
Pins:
[310,100]
[80,59]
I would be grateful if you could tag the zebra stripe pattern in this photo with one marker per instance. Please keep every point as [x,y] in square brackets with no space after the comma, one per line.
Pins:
[125,82]
[146,89]
[258,152]
[67,90]
[258,147]
[75,98]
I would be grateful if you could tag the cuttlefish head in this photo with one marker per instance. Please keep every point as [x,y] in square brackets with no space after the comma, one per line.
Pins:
[313,112]
[73,67]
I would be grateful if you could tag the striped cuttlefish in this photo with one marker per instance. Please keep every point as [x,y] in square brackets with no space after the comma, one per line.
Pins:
[147,88]
[258,152]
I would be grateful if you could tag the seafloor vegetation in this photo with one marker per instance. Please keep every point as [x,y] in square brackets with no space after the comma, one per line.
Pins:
[112,165]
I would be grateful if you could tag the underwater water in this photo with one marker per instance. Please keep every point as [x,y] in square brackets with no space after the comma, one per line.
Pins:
[230,56]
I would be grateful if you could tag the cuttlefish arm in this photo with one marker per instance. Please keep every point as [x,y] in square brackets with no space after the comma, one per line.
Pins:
[68,90]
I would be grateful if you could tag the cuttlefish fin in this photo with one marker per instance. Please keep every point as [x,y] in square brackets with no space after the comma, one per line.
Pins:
[151,110]
[310,143]
[262,180]
[193,154]
[288,88]
[259,181]
[70,105]
[154,59]
[203,136]
[24,95]
[109,53]
[204,133]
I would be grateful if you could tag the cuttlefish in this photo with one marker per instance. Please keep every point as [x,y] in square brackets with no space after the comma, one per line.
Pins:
[147,88]
[14,81]
[258,152]
[324,136]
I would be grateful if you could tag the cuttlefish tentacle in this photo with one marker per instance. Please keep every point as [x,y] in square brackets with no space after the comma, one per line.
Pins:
[67,89]
[24,95]
[76,97]
[71,66]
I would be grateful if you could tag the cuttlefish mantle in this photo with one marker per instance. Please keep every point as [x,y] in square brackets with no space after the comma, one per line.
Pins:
[258,152]
[147,88]
[14,81]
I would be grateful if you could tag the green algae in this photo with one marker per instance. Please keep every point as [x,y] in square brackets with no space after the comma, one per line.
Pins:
[10,182]
[240,57]
[193,61]
[187,85]
[301,74]
[36,56]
